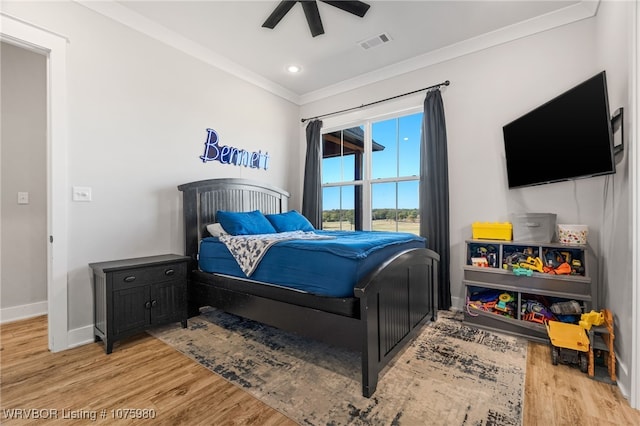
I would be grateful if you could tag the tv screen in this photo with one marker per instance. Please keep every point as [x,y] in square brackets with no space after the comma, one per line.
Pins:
[569,137]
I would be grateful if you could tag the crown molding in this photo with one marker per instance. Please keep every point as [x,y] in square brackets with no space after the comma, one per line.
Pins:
[139,23]
[567,15]
[573,13]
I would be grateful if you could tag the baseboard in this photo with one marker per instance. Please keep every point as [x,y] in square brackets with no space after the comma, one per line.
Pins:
[17,313]
[76,337]
[457,303]
[622,371]
[80,336]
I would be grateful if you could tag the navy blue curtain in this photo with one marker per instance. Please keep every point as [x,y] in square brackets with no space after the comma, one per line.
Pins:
[434,190]
[312,187]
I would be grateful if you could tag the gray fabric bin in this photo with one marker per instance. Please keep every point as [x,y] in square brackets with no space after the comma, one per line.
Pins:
[533,227]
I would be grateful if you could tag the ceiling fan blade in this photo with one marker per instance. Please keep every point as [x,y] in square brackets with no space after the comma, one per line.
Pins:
[313,17]
[356,7]
[278,13]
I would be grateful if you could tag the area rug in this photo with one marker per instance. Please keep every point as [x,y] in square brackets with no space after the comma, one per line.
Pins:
[451,374]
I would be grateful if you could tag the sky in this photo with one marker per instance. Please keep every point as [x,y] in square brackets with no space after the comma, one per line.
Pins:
[400,157]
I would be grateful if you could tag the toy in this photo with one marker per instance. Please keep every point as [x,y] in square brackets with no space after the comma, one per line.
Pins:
[592,318]
[505,297]
[570,307]
[601,338]
[573,319]
[486,295]
[534,317]
[513,259]
[479,261]
[502,303]
[534,263]
[561,269]
[522,271]
[553,259]
[569,344]
[566,255]
[484,256]
[537,308]
[493,302]
[576,267]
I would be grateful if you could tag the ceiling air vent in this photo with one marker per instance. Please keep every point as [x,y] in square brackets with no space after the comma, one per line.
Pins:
[375,41]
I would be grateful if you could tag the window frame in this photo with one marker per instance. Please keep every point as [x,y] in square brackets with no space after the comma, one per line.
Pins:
[366,183]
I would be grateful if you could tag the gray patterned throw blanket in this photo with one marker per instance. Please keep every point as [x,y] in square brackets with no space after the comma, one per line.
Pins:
[248,250]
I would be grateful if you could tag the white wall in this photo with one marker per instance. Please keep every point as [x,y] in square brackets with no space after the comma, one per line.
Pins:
[614,54]
[138,112]
[490,88]
[23,282]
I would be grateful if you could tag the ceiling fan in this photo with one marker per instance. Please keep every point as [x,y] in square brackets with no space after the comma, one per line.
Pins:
[312,14]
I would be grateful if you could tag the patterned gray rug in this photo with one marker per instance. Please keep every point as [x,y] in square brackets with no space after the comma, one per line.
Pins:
[451,374]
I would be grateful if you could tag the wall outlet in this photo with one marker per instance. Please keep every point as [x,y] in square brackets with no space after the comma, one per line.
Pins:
[23,198]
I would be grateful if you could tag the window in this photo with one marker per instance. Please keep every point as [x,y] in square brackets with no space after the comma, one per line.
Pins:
[371,176]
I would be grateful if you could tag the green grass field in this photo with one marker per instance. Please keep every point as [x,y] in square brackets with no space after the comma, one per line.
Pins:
[377,225]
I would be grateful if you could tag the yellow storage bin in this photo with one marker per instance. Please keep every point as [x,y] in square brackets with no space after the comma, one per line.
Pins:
[492,231]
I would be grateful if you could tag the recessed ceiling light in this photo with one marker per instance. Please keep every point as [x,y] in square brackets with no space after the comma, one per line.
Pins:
[293,69]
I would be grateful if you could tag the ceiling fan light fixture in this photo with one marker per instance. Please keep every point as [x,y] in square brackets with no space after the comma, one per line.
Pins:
[312,14]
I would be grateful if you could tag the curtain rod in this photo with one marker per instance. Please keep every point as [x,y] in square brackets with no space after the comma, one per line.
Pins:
[444,83]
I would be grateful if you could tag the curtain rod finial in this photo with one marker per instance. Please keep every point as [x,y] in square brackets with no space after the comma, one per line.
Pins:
[446,82]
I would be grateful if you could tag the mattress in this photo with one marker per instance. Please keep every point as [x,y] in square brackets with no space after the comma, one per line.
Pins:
[323,267]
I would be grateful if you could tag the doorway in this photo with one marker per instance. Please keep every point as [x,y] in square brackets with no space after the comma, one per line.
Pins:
[24,191]
[53,47]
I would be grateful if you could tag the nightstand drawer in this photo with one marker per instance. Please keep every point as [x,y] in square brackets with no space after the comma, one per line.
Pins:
[149,274]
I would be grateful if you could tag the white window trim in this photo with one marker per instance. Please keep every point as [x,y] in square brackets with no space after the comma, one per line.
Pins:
[337,125]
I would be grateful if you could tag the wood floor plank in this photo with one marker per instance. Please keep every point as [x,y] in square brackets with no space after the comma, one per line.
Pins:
[563,395]
[144,373]
[141,373]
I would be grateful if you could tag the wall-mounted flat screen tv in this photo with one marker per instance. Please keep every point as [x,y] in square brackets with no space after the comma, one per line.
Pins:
[569,137]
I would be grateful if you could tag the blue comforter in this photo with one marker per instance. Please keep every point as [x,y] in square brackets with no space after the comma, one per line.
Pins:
[354,244]
[325,267]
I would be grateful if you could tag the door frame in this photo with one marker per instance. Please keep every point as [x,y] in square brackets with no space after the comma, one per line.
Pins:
[54,47]
[634,182]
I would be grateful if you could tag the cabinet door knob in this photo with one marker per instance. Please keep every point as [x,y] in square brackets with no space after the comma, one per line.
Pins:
[130,278]
[154,303]
[147,305]
[169,272]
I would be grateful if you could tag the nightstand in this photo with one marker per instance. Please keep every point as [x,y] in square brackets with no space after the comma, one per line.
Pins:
[133,295]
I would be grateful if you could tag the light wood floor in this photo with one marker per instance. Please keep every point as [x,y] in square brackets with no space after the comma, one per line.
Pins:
[144,373]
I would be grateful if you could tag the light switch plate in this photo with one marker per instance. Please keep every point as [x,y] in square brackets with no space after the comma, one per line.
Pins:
[81,193]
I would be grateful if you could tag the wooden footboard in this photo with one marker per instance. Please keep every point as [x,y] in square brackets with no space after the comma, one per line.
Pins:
[395,301]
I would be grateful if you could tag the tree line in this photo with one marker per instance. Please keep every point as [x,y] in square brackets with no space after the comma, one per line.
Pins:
[401,215]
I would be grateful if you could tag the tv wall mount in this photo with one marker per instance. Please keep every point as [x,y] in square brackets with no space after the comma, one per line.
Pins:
[618,130]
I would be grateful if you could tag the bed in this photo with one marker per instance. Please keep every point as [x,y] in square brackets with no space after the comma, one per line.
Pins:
[390,303]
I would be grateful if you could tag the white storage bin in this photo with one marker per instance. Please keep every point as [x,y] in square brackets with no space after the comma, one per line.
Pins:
[572,234]
[533,227]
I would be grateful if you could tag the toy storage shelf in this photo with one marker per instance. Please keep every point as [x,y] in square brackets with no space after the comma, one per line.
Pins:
[522,288]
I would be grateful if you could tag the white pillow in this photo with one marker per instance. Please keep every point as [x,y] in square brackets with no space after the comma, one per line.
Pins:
[215,229]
